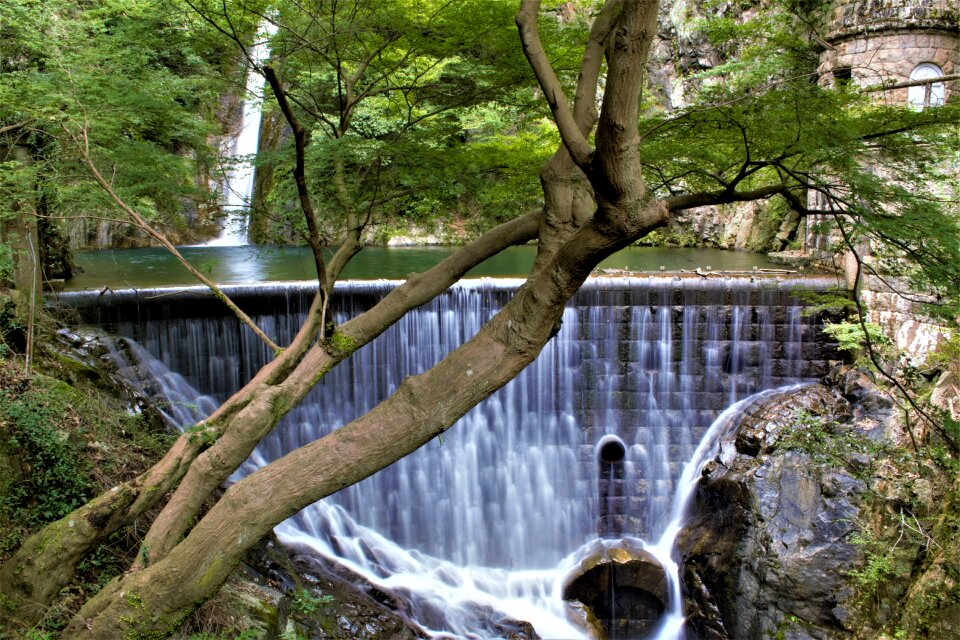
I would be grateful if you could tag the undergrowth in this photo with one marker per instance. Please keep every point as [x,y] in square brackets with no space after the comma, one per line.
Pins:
[60,444]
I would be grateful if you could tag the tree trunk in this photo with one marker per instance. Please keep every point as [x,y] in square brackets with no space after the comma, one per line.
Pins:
[158,598]
[46,562]
[20,234]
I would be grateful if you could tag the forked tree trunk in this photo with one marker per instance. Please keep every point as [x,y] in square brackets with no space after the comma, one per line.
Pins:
[46,562]
[160,596]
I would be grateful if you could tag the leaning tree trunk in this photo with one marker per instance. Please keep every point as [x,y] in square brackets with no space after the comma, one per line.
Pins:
[160,596]
[157,598]
[46,562]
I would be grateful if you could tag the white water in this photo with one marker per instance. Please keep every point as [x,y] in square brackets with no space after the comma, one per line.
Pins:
[237,187]
[488,521]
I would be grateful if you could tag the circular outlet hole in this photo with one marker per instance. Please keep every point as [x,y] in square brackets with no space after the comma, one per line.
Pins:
[611,450]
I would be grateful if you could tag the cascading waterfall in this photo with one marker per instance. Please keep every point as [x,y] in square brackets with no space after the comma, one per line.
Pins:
[237,184]
[487,521]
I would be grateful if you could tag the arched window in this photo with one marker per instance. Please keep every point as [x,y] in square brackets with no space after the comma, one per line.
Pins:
[926,95]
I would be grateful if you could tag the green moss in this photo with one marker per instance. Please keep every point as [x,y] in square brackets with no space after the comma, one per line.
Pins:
[319,376]
[212,575]
[203,433]
[341,344]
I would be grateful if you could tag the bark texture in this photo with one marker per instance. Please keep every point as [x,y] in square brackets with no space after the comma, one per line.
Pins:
[158,597]
[596,202]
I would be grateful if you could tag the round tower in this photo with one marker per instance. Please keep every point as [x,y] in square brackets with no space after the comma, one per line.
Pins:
[894,43]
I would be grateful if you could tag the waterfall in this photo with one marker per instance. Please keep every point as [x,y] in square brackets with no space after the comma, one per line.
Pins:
[237,186]
[491,516]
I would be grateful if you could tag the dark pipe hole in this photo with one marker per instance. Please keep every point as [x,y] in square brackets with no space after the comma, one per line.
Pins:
[612,452]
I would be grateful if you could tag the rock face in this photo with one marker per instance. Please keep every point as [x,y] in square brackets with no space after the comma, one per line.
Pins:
[768,548]
[622,588]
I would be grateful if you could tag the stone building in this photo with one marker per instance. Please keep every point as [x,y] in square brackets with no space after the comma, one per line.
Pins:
[891,43]
[885,46]
[889,47]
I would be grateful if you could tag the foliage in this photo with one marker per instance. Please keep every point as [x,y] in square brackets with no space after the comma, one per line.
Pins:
[947,353]
[835,302]
[48,477]
[671,237]
[879,563]
[851,338]
[887,168]
[831,443]
[441,126]
[306,603]
[135,78]
[60,443]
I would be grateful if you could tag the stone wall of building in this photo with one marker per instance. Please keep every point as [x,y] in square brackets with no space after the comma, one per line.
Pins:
[888,58]
[853,18]
[874,42]
[901,315]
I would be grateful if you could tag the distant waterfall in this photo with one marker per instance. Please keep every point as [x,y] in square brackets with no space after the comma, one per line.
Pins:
[491,515]
[237,187]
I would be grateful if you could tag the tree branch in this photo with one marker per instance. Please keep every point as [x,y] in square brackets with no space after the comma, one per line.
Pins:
[580,150]
[871,352]
[909,83]
[693,200]
[298,377]
[13,127]
[84,148]
[300,138]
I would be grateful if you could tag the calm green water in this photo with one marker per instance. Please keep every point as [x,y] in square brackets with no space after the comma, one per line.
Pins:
[139,268]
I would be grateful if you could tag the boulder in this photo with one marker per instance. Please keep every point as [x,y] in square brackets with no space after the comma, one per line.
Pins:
[617,590]
[768,547]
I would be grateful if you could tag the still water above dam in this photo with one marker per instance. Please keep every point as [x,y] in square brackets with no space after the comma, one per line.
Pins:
[152,267]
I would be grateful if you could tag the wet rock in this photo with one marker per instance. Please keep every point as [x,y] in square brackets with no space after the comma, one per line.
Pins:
[346,605]
[767,551]
[360,609]
[622,586]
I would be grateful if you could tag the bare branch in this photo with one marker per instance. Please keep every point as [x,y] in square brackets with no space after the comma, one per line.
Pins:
[300,138]
[83,144]
[909,83]
[13,127]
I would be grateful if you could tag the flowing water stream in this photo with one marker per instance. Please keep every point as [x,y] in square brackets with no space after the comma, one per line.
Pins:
[487,521]
[242,147]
